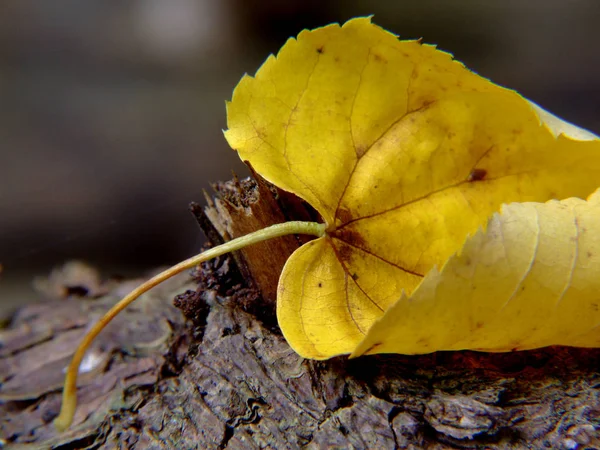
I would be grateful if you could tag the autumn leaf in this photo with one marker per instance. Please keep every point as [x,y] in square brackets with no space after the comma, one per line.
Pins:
[407,155]
[404,153]
[529,281]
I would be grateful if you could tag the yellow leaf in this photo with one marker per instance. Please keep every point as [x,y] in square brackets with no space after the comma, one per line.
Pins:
[531,280]
[404,153]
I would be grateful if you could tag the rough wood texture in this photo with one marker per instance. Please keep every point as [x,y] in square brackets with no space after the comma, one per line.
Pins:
[243,207]
[229,380]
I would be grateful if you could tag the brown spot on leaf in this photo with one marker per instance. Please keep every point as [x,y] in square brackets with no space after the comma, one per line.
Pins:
[423,341]
[351,237]
[360,150]
[354,276]
[344,253]
[373,347]
[477,175]
[344,215]
[320,285]
[379,58]
[478,325]
[320,50]
[260,132]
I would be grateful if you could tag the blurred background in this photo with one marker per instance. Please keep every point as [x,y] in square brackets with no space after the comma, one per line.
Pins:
[111,112]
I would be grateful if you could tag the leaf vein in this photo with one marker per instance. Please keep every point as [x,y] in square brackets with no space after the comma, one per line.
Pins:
[531,263]
[426,196]
[368,252]
[573,262]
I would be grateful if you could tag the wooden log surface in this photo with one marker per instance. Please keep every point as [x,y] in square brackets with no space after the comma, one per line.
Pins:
[218,374]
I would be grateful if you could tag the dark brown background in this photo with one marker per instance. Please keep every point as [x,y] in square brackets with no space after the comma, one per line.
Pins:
[111,112]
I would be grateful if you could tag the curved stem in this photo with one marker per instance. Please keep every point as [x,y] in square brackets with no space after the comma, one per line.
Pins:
[69,399]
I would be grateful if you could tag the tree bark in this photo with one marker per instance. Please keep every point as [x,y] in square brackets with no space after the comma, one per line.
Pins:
[225,377]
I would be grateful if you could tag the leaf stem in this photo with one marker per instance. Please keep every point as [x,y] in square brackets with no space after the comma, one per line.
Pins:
[69,398]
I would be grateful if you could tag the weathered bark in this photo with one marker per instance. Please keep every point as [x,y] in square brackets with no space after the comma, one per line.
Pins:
[228,379]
